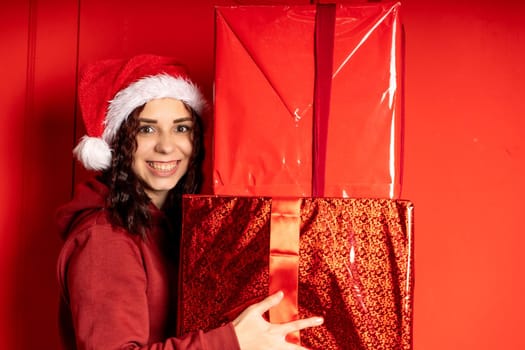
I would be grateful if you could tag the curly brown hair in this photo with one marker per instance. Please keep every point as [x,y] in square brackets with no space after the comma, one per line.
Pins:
[127,202]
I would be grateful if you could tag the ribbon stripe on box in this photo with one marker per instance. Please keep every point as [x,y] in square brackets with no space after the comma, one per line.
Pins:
[285,228]
[324,56]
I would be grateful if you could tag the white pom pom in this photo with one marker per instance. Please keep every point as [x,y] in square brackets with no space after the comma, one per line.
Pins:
[94,153]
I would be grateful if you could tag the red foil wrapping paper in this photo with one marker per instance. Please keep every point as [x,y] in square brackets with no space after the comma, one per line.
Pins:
[354,266]
[308,100]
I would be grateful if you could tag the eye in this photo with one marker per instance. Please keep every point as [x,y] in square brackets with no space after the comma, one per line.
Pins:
[183,128]
[146,129]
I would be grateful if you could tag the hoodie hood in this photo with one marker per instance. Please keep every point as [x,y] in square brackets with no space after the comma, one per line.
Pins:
[89,196]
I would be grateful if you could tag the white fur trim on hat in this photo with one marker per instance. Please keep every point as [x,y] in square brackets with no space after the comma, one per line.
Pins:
[94,153]
[144,90]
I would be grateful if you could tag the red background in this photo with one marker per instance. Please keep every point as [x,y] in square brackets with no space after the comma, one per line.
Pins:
[464,151]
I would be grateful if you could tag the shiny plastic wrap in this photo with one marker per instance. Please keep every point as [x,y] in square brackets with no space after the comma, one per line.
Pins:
[308,100]
[348,260]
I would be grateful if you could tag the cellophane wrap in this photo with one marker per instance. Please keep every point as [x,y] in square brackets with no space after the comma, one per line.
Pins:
[355,267]
[280,128]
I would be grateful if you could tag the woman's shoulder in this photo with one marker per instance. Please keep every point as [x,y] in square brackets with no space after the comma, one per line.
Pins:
[94,250]
[94,233]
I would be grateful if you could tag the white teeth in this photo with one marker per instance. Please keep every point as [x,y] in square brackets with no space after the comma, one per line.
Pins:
[162,166]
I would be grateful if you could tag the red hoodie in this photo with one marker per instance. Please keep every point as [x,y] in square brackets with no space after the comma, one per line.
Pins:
[118,290]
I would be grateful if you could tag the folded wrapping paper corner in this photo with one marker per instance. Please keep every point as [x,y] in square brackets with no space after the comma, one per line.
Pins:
[355,266]
[267,101]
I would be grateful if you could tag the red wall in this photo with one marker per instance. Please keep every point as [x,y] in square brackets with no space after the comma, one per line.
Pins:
[465,171]
[464,151]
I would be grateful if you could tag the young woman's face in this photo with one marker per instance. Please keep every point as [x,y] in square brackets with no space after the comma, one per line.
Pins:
[164,146]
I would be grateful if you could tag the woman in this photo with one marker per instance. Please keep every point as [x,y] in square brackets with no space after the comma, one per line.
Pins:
[117,268]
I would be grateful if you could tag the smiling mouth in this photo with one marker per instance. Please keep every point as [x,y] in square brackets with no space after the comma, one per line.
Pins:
[164,167]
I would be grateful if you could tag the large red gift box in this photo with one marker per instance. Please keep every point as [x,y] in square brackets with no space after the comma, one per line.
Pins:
[308,100]
[348,260]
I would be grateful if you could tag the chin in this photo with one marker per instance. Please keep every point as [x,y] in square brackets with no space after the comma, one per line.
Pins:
[165,185]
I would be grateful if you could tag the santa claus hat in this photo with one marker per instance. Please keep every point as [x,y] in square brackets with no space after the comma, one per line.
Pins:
[110,90]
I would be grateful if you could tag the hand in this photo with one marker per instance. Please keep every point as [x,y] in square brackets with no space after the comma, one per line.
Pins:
[254,332]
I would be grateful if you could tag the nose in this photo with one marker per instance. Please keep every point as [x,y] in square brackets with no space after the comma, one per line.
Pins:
[165,143]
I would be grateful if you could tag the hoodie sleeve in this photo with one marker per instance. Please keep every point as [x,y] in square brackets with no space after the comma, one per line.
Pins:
[105,284]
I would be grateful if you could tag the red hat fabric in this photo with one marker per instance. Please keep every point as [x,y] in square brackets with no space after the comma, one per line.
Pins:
[110,90]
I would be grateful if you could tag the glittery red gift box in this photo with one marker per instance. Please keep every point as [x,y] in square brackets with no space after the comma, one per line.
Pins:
[355,266]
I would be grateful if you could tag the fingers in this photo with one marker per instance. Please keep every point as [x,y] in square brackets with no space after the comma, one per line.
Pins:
[269,302]
[254,332]
[291,326]
[297,325]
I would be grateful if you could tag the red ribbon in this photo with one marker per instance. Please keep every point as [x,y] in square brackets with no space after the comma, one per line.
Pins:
[286,213]
[324,57]
[284,261]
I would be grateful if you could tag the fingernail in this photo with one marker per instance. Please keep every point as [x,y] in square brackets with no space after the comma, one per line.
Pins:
[318,320]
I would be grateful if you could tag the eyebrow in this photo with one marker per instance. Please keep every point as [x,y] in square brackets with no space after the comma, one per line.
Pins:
[175,121]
